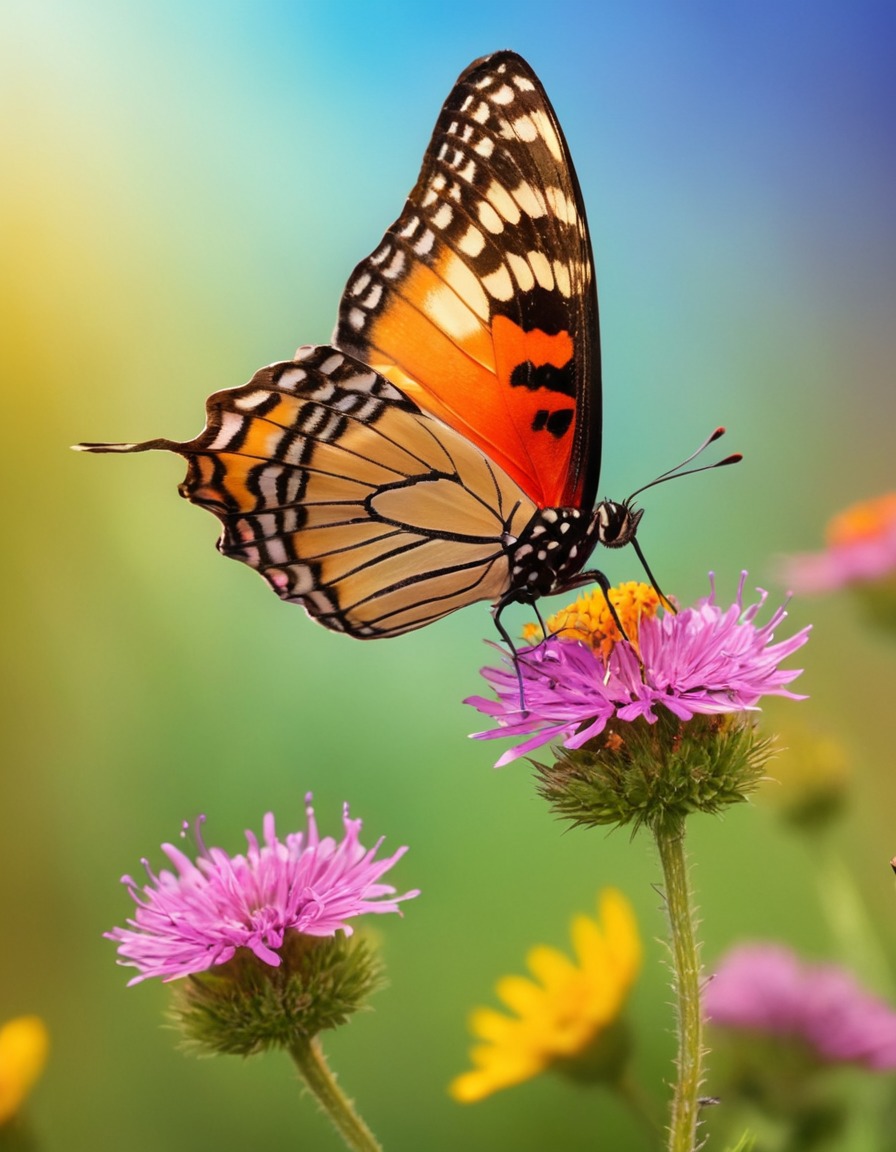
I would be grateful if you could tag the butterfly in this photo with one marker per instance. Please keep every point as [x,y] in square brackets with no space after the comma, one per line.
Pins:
[445,448]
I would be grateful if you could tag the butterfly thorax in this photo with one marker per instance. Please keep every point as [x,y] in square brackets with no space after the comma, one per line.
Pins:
[549,554]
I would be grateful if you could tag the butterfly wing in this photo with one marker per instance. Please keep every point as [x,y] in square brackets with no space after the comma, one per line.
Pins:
[373,516]
[384,483]
[480,301]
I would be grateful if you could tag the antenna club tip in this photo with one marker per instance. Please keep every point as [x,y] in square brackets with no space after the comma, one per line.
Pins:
[734,458]
[720,431]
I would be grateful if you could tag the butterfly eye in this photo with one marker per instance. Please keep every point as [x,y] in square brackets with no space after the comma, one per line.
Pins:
[616,523]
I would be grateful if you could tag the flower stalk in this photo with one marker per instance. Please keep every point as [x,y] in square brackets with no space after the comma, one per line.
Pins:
[685,954]
[309,1059]
[652,729]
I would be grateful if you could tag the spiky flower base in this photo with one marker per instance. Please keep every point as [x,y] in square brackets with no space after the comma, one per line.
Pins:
[246,1006]
[656,774]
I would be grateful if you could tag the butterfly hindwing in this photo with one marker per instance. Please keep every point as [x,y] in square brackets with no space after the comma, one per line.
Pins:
[373,516]
[480,302]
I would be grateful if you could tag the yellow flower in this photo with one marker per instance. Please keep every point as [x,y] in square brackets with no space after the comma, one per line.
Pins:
[589,619]
[23,1053]
[560,1016]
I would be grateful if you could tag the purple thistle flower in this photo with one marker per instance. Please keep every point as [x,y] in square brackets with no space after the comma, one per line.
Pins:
[766,988]
[197,917]
[704,660]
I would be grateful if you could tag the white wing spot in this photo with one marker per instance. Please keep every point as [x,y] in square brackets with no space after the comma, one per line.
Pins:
[356,319]
[489,218]
[251,401]
[560,205]
[424,245]
[467,285]
[485,147]
[395,267]
[329,366]
[562,278]
[503,202]
[530,200]
[542,269]
[231,425]
[525,128]
[374,295]
[521,271]
[504,95]
[361,283]
[499,284]
[472,242]
[546,131]
[443,216]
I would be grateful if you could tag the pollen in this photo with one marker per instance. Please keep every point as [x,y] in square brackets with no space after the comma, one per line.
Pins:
[590,620]
[868,520]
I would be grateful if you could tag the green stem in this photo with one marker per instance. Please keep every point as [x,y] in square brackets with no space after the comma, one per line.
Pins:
[857,941]
[686,967]
[315,1071]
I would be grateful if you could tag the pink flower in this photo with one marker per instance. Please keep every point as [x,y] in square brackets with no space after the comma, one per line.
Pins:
[198,916]
[861,549]
[704,660]
[766,988]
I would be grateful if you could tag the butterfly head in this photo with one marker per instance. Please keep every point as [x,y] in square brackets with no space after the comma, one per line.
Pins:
[615,524]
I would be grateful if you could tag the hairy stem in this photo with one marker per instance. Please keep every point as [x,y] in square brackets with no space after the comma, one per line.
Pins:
[314,1070]
[685,953]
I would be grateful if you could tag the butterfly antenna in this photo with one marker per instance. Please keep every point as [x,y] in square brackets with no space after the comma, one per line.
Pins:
[676,472]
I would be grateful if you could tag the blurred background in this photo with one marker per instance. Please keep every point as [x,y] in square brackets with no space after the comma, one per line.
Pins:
[185,189]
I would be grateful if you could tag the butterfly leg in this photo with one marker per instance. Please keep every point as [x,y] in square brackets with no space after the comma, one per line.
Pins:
[594,576]
[497,609]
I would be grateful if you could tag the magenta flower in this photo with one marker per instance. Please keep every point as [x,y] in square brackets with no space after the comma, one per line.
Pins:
[704,660]
[766,988]
[861,549]
[198,916]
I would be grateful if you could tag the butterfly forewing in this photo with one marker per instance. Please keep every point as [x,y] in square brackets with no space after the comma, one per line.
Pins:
[375,517]
[447,449]
[480,303]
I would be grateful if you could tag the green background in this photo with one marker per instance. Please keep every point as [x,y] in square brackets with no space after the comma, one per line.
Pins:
[185,190]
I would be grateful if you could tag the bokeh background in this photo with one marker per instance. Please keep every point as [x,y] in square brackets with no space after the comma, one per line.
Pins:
[185,189]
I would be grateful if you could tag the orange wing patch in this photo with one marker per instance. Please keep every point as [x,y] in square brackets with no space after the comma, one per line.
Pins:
[479,302]
[495,385]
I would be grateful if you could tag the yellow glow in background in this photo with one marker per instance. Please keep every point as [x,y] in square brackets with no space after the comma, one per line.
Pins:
[185,190]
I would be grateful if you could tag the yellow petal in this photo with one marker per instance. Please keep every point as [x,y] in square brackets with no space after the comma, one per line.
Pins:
[520,994]
[622,931]
[23,1053]
[550,966]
